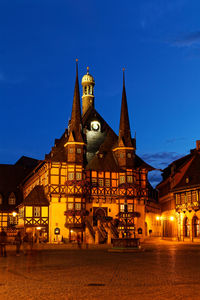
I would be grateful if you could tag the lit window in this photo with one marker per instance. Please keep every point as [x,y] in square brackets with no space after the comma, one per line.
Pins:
[70,176]
[129,179]
[77,206]
[122,207]
[12,220]
[130,207]
[100,182]
[12,199]
[70,206]
[129,155]
[36,211]
[78,150]
[121,155]
[1,199]
[71,150]
[78,176]
[122,179]
[94,181]
[107,182]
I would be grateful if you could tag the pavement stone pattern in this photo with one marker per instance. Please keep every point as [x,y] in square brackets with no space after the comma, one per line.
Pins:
[164,270]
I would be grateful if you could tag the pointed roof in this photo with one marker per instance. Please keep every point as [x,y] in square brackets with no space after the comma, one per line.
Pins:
[124,127]
[75,122]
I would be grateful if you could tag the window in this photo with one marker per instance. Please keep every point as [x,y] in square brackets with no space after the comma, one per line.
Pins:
[77,206]
[122,179]
[94,181]
[78,150]
[129,155]
[78,176]
[12,199]
[130,179]
[12,220]
[121,155]
[71,150]
[1,199]
[100,182]
[121,207]
[130,207]
[36,211]
[70,206]
[107,182]
[70,176]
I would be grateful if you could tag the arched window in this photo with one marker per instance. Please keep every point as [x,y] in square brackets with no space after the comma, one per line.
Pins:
[1,199]
[195,227]
[186,226]
[12,199]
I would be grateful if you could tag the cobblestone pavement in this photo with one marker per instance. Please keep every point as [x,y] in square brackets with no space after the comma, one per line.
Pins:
[164,270]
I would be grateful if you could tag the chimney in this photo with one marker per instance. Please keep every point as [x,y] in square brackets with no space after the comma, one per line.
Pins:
[198,145]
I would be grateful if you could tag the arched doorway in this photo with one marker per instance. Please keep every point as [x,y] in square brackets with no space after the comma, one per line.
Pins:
[186,227]
[195,227]
[99,214]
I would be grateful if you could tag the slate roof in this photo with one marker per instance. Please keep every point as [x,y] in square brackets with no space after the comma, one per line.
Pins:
[36,197]
[191,177]
[124,127]
[99,145]
[10,178]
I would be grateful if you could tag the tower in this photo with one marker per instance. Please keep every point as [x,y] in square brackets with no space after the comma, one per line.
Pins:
[88,91]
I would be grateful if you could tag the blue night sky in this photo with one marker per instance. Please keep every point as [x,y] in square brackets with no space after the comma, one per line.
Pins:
[158,43]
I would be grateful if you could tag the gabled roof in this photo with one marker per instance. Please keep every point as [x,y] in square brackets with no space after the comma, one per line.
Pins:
[11,177]
[191,175]
[36,197]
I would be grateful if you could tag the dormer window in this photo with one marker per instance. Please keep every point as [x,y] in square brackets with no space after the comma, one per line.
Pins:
[12,199]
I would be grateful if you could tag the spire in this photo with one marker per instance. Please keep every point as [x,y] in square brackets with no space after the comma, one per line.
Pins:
[124,127]
[75,123]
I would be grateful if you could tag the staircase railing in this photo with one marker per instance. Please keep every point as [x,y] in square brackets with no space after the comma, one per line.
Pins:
[114,231]
[91,230]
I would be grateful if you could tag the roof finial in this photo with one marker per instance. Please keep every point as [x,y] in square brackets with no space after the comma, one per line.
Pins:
[77,67]
[123,77]
[88,70]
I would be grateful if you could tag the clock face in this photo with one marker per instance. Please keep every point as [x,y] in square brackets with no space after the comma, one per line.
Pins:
[95,126]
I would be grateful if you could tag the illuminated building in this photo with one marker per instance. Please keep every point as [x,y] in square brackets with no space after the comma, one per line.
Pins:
[11,196]
[90,180]
[179,195]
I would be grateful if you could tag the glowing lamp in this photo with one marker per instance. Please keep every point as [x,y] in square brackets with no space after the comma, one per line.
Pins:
[38,228]
[157,218]
[14,213]
[171,218]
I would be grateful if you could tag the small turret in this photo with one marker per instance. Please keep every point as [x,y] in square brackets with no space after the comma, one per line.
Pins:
[88,91]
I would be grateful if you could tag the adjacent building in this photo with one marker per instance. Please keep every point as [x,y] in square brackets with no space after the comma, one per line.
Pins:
[179,197]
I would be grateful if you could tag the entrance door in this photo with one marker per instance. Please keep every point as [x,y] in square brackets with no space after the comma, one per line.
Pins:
[99,214]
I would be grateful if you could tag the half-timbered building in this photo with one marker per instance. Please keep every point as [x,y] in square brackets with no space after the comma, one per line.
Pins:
[179,195]
[95,183]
